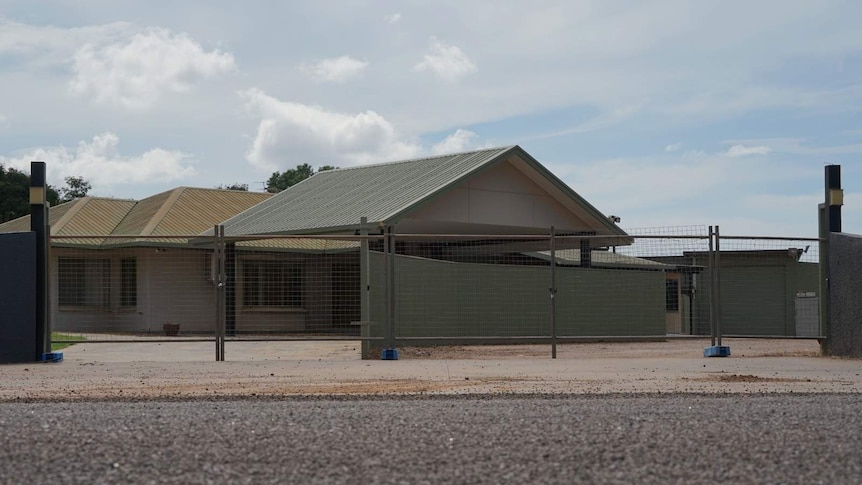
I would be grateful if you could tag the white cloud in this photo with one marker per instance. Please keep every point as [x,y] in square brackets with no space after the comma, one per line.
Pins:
[101,163]
[392,18]
[447,62]
[38,44]
[744,151]
[461,140]
[136,73]
[799,146]
[334,70]
[672,148]
[291,133]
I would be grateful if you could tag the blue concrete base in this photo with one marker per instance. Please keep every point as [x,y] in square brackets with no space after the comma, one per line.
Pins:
[717,351]
[52,357]
[389,354]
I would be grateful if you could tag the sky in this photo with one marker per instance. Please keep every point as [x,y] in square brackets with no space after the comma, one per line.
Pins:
[664,113]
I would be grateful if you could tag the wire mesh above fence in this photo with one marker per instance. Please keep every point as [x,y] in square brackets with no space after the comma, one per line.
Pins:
[443,288]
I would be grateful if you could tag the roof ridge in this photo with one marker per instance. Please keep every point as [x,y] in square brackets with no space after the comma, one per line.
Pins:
[419,159]
[76,207]
[154,222]
[95,197]
[216,189]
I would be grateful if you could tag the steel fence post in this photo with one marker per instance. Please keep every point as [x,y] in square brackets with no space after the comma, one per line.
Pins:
[390,352]
[365,290]
[220,336]
[718,285]
[553,290]
[711,266]
[216,277]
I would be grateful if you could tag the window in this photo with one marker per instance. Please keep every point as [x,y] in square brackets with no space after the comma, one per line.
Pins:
[272,284]
[672,296]
[128,282]
[84,282]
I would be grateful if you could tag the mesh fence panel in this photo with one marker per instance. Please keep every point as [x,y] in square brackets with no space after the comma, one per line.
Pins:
[447,289]
[288,285]
[468,288]
[769,286]
[115,289]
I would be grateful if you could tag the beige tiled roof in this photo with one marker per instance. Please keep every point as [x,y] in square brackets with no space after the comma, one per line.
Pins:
[184,211]
[193,211]
[90,216]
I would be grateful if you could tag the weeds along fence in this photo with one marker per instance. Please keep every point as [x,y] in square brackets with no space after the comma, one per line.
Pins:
[394,289]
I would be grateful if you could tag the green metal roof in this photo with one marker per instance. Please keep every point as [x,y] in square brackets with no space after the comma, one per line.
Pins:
[336,200]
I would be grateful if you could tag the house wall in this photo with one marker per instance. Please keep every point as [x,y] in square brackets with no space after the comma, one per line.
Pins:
[172,286]
[330,298]
[451,300]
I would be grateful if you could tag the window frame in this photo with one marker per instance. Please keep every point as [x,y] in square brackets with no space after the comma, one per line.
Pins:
[75,283]
[273,284]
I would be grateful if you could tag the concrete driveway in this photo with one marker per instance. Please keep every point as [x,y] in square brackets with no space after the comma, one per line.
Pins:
[148,370]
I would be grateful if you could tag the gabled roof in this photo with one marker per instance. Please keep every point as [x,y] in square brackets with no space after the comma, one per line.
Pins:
[87,216]
[334,201]
[183,211]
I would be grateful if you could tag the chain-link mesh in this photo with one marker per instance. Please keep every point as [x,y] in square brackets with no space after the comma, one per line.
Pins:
[116,289]
[769,286]
[289,285]
[435,289]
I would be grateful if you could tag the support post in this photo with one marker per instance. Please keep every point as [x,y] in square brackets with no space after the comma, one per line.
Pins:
[717,235]
[716,349]
[39,225]
[230,288]
[390,352]
[553,290]
[830,222]
[711,266]
[364,290]
[218,274]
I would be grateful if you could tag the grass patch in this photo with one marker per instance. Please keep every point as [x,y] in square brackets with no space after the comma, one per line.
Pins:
[55,346]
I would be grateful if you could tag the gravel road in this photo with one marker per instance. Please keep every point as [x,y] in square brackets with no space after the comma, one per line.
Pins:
[624,439]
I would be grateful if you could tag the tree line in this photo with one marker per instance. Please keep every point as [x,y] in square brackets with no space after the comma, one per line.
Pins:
[15,192]
[279,181]
[15,188]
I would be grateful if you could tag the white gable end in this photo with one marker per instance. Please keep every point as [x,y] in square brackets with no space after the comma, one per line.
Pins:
[499,196]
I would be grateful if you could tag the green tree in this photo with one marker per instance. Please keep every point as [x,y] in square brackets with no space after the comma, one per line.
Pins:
[282,180]
[15,192]
[76,187]
[236,186]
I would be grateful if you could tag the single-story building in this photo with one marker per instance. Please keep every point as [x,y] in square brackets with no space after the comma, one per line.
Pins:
[479,270]
[127,266]
[450,283]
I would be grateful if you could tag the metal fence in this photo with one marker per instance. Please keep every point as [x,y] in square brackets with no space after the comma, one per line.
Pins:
[391,290]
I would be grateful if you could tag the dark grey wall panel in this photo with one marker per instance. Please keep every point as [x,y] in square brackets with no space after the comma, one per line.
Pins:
[845,265]
[17,297]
